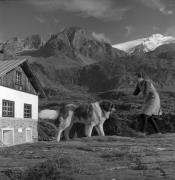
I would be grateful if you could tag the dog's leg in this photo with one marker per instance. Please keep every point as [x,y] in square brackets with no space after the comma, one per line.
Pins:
[100,130]
[60,130]
[88,130]
[63,125]
[97,129]
[67,131]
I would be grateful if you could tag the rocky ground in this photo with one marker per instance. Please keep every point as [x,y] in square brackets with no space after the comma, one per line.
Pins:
[108,158]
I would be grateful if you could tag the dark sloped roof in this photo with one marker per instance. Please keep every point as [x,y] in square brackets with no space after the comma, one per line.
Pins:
[6,66]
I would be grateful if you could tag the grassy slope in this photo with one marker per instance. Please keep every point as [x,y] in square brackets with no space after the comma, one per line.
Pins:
[124,121]
[92,158]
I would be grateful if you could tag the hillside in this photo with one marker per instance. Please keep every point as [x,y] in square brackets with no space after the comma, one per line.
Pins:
[164,52]
[109,68]
[92,158]
[73,66]
[59,62]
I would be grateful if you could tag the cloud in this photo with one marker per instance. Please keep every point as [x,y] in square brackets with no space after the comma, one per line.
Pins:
[9,0]
[159,5]
[56,20]
[1,37]
[101,9]
[43,20]
[170,31]
[129,30]
[155,28]
[40,19]
[101,37]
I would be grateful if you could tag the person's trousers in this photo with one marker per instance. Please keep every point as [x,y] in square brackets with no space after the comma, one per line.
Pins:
[144,120]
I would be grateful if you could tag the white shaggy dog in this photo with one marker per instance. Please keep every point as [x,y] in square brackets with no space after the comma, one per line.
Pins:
[92,115]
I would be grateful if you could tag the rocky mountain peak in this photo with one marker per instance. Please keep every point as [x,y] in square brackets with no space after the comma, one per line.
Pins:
[155,41]
[144,45]
[75,41]
[16,45]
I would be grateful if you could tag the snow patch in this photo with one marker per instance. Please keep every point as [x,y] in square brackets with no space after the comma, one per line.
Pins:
[148,44]
[155,41]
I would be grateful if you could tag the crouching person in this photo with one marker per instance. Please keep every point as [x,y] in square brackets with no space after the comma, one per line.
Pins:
[151,106]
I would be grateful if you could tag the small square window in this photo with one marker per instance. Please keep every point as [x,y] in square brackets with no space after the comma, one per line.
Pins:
[18,77]
[7,108]
[27,111]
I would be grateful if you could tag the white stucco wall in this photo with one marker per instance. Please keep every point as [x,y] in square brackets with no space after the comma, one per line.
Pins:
[20,98]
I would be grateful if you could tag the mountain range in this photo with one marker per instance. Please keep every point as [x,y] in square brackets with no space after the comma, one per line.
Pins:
[145,44]
[73,65]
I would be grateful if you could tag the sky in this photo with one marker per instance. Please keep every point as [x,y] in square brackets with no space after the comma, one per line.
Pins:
[114,21]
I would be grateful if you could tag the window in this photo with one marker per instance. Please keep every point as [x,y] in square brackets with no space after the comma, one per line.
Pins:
[27,111]
[18,77]
[7,108]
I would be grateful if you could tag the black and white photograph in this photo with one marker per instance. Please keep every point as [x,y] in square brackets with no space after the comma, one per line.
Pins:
[87,89]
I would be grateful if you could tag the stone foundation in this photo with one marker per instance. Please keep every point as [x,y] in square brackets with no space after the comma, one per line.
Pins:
[18,131]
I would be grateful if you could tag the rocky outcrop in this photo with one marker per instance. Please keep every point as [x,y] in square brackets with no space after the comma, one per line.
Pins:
[75,42]
[16,45]
[166,51]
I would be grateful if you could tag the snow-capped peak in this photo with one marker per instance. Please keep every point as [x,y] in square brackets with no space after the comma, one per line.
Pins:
[148,44]
[155,41]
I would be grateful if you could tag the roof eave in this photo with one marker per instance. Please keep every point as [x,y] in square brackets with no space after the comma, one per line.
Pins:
[33,79]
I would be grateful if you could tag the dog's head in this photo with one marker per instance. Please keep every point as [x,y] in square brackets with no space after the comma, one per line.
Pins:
[107,106]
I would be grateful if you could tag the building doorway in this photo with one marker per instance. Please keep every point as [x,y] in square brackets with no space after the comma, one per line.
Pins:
[8,136]
[29,135]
